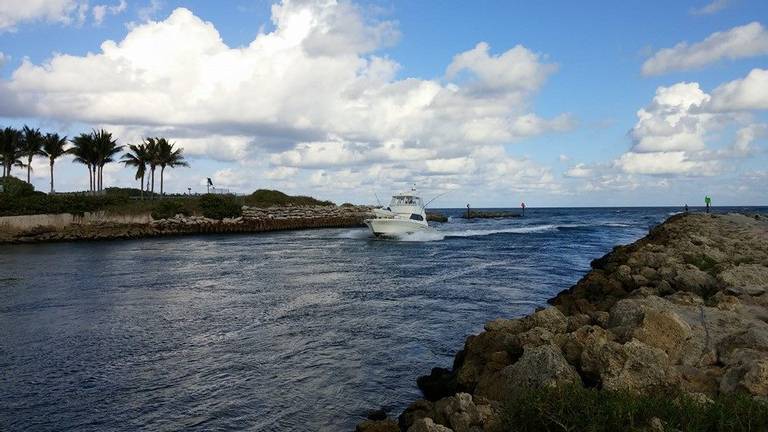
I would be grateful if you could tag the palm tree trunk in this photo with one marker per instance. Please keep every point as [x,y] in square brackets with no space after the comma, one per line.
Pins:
[29,169]
[141,185]
[162,173]
[153,183]
[101,177]
[51,175]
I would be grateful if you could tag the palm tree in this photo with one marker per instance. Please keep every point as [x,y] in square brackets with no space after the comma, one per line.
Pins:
[10,150]
[137,157]
[106,148]
[31,146]
[85,153]
[152,159]
[53,148]
[169,157]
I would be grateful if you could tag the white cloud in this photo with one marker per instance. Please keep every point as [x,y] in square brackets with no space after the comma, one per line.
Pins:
[310,95]
[673,162]
[100,11]
[4,58]
[671,133]
[670,123]
[579,171]
[13,12]
[748,93]
[739,42]
[712,7]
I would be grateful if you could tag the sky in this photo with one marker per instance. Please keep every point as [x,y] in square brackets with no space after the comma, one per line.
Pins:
[554,103]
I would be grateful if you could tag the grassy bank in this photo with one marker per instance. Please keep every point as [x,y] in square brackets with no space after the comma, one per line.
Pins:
[574,408]
[19,198]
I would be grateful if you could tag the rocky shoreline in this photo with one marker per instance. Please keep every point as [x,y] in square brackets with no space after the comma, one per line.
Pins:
[683,310]
[253,220]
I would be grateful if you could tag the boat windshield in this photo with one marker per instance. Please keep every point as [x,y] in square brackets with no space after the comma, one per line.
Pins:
[405,200]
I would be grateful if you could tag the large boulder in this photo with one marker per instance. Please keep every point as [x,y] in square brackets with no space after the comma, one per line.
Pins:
[459,413]
[633,366]
[540,366]
[750,279]
[691,278]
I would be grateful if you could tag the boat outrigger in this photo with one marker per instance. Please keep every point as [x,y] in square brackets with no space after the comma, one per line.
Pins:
[404,215]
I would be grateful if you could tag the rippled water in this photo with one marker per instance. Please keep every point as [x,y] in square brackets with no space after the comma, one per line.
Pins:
[303,330]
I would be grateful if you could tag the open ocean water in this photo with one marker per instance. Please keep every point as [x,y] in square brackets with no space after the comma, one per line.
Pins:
[288,331]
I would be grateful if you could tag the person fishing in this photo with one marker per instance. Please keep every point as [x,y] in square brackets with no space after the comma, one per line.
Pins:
[686,207]
[707,202]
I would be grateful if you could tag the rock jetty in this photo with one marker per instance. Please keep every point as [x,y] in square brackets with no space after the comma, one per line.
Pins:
[683,310]
[253,220]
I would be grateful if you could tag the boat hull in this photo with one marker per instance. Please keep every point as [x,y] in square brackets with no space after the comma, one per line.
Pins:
[394,227]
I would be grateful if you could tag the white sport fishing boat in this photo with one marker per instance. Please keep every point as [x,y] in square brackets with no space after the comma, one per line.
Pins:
[405,215]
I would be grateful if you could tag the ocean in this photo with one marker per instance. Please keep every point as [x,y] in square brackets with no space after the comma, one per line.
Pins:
[286,331]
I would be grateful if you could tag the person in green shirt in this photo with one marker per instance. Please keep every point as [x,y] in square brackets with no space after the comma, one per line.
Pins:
[708,202]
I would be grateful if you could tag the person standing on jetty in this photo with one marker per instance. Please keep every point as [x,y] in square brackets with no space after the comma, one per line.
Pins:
[686,207]
[707,202]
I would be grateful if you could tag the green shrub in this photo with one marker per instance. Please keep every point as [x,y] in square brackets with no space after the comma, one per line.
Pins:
[219,206]
[38,203]
[169,208]
[13,187]
[266,198]
[580,409]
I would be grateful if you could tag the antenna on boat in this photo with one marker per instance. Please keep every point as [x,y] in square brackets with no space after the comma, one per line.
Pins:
[378,200]
[430,201]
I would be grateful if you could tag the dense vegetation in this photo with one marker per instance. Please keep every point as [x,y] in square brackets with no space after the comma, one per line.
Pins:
[20,198]
[266,198]
[574,408]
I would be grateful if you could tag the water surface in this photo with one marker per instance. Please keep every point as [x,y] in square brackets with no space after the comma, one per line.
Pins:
[299,331]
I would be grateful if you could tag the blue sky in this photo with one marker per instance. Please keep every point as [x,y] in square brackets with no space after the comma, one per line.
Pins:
[343,99]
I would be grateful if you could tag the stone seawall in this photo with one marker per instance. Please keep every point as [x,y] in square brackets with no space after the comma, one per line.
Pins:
[63,220]
[682,311]
[47,228]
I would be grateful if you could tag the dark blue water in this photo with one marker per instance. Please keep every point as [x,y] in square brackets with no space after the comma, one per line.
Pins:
[286,331]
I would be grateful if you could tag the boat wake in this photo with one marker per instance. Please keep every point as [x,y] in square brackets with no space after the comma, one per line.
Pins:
[425,236]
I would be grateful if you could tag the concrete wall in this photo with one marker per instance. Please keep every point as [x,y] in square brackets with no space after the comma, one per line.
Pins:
[66,219]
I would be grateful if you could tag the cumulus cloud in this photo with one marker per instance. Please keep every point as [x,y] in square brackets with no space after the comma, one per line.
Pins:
[13,12]
[748,93]
[310,95]
[671,133]
[749,40]
[670,123]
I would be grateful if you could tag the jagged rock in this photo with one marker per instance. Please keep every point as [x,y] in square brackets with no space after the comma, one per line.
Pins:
[550,319]
[459,413]
[541,366]
[420,409]
[750,279]
[632,366]
[690,278]
[577,321]
[506,325]
[428,425]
